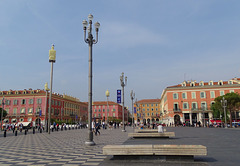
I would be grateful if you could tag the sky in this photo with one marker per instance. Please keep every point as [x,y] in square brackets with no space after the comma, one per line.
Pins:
[157,43]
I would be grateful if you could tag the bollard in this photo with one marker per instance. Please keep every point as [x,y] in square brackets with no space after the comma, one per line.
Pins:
[40,130]
[25,132]
[61,128]
[16,133]
[33,130]
[5,133]
[57,128]
[65,128]
[52,129]
[73,128]
[69,128]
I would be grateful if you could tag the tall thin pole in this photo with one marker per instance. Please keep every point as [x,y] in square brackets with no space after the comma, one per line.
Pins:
[50,99]
[123,110]
[45,119]
[2,113]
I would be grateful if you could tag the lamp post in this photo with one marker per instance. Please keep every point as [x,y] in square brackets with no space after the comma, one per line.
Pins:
[224,105]
[107,95]
[90,41]
[123,84]
[45,119]
[52,59]
[2,113]
[132,95]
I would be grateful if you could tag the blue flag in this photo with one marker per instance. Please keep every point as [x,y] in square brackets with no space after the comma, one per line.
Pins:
[40,113]
[135,111]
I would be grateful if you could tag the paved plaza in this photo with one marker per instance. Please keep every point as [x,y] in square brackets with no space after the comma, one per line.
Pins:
[68,148]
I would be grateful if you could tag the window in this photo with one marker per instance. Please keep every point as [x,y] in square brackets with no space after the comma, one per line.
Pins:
[113,114]
[15,102]
[156,105]
[14,111]
[99,110]
[203,105]
[201,83]
[148,114]
[103,115]
[221,93]
[230,82]
[184,95]
[99,115]
[22,111]
[7,102]
[231,91]
[103,110]
[152,114]
[30,101]
[30,110]
[156,109]
[56,102]
[143,105]
[147,105]
[95,110]
[193,95]
[143,109]
[202,95]
[175,107]
[210,83]
[185,105]
[152,105]
[212,94]
[148,109]
[175,95]
[152,109]
[113,109]
[194,105]
[39,101]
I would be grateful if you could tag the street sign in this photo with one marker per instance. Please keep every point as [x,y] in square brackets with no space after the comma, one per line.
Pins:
[119,96]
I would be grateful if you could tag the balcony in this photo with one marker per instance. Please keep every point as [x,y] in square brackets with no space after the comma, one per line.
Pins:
[177,110]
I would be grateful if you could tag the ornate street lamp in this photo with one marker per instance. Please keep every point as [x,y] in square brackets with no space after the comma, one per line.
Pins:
[52,59]
[90,41]
[224,105]
[123,84]
[132,95]
[46,108]
[107,95]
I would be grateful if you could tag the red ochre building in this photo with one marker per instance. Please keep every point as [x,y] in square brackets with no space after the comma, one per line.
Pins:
[190,101]
[103,110]
[29,106]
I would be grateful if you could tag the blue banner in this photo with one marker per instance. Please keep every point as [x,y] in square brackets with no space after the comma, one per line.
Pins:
[119,101]
[135,110]
[40,113]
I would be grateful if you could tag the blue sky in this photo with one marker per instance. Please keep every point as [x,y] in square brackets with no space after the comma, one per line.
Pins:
[156,43]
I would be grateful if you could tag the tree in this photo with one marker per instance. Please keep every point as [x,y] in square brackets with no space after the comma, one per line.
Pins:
[4,113]
[233,104]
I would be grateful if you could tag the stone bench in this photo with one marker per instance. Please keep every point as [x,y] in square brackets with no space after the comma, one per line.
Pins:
[164,152]
[152,135]
[145,130]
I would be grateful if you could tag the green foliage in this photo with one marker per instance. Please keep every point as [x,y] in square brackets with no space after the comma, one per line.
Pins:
[233,104]
[4,113]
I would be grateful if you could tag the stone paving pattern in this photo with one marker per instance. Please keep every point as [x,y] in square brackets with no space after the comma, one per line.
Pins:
[58,148]
[68,147]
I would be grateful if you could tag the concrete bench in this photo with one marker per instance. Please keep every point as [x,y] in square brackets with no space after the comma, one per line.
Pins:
[152,135]
[145,130]
[164,152]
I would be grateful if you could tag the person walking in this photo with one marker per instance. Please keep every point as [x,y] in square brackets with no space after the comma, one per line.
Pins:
[97,127]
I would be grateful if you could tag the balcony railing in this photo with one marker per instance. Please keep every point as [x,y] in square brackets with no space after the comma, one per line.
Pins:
[177,110]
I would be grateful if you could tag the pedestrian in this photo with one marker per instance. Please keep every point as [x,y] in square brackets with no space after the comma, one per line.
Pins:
[97,127]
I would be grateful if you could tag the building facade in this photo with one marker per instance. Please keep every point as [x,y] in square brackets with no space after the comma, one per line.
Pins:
[31,106]
[190,101]
[103,110]
[147,111]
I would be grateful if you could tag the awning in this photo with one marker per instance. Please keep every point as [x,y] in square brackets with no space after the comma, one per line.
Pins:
[24,123]
[216,121]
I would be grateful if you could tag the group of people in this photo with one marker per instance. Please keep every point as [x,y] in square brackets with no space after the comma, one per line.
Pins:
[14,126]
